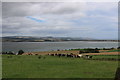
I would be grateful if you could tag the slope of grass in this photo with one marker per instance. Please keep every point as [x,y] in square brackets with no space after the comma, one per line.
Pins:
[53,67]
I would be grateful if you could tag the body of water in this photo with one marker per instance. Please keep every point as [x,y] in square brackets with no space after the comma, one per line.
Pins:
[48,46]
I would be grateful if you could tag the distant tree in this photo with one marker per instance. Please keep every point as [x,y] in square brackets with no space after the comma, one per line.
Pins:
[20,52]
[112,48]
[96,49]
[118,48]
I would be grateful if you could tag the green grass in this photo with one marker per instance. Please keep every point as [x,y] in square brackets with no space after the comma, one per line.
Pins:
[23,66]
[106,56]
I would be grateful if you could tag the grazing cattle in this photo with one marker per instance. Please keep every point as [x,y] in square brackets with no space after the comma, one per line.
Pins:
[79,55]
[56,54]
[69,55]
[49,54]
[90,57]
[30,54]
[59,55]
[87,56]
[52,54]
[62,54]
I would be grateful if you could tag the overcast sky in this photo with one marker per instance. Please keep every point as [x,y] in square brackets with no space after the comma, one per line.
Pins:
[61,19]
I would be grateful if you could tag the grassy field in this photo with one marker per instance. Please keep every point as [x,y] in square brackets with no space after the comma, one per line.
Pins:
[106,56]
[30,66]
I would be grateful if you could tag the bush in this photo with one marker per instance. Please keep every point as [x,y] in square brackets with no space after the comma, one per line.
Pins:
[89,50]
[118,48]
[20,52]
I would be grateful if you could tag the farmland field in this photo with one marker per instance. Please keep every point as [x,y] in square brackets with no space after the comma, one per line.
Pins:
[30,66]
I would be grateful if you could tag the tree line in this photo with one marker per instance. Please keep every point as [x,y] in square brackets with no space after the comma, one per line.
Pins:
[20,52]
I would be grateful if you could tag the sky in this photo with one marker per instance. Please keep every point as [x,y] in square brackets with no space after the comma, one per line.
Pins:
[98,20]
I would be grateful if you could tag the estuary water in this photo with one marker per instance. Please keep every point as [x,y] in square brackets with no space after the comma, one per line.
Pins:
[49,46]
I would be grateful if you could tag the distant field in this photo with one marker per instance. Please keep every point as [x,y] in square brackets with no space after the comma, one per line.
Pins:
[114,50]
[29,66]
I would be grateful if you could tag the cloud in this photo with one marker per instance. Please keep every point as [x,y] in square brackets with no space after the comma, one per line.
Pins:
[73,19]
[30,9]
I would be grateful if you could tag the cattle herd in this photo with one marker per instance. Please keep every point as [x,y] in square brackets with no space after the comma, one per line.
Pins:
[71,55]
[88,57]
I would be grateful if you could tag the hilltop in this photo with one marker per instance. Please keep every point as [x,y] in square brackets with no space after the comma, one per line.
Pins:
[46,39]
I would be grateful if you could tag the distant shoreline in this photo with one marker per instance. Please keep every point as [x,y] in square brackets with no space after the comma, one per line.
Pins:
[69,41]
[50,39]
